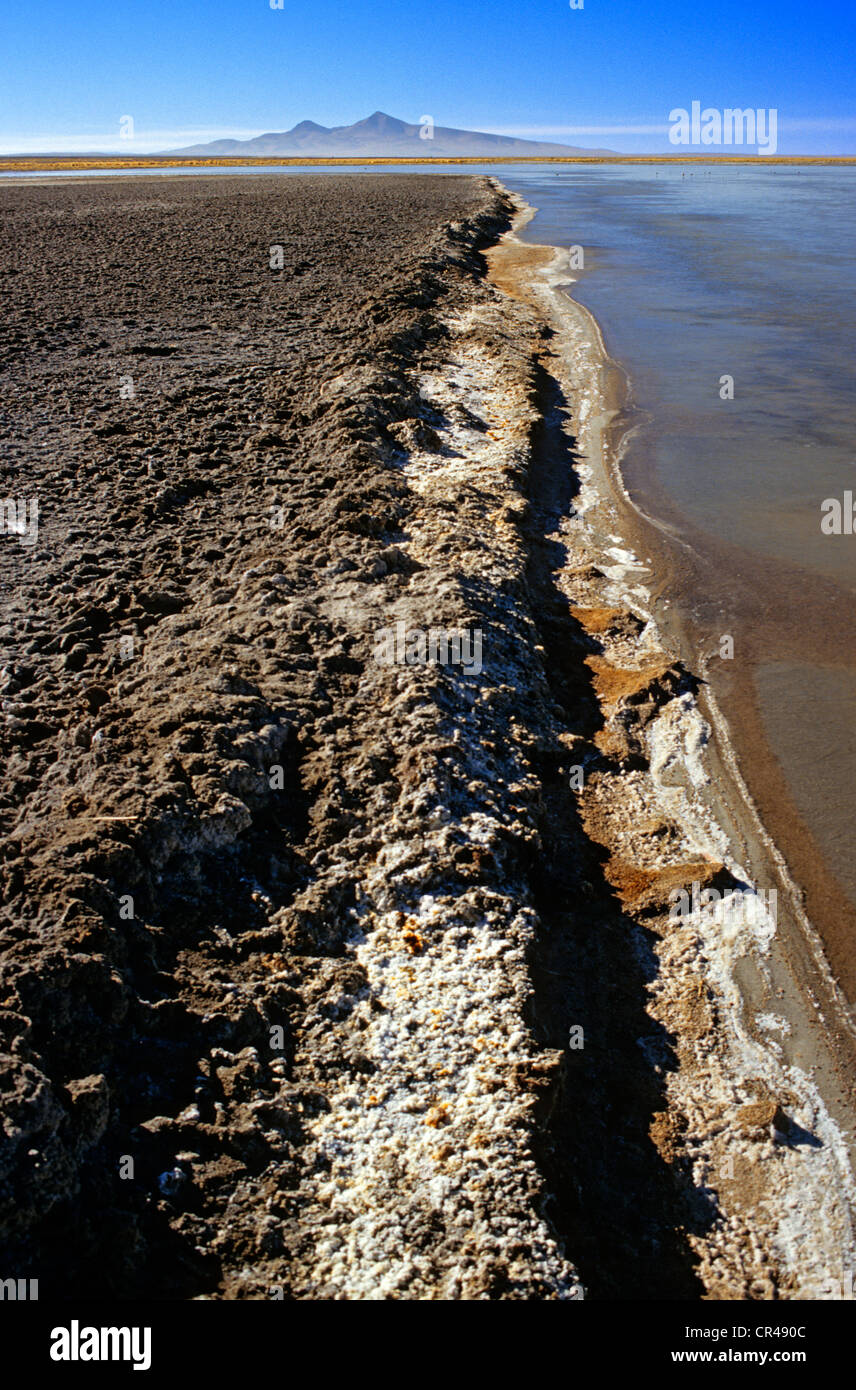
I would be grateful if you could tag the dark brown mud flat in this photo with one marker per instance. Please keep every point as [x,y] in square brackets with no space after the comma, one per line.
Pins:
[215,446]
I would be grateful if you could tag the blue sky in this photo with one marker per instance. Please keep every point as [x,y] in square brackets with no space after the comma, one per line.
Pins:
[607,74]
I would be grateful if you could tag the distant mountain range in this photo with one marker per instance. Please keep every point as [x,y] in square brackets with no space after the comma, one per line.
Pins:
[382,136]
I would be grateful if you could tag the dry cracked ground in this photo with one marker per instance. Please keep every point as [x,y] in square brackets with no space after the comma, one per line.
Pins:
[293,939]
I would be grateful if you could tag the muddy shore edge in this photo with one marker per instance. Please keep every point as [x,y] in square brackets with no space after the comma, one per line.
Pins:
[779,1011]
[331,970]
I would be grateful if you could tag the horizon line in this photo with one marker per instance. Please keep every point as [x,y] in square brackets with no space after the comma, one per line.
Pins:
[47,163]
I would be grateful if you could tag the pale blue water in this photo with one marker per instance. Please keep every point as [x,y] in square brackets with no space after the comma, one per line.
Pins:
[746,271]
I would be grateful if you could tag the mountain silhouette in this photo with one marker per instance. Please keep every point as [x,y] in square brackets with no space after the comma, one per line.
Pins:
[381,135]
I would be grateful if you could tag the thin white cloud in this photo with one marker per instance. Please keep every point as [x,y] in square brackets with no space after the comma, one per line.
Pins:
[820,123]
[144,141]
[540,130]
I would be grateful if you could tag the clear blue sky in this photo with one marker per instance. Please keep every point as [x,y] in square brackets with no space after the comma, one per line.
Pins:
[607,74]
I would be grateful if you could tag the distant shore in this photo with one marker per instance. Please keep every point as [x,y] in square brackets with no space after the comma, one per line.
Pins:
[39,164]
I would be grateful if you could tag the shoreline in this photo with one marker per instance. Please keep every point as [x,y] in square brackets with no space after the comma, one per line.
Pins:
[786,975]
[732,801]
[13,165]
